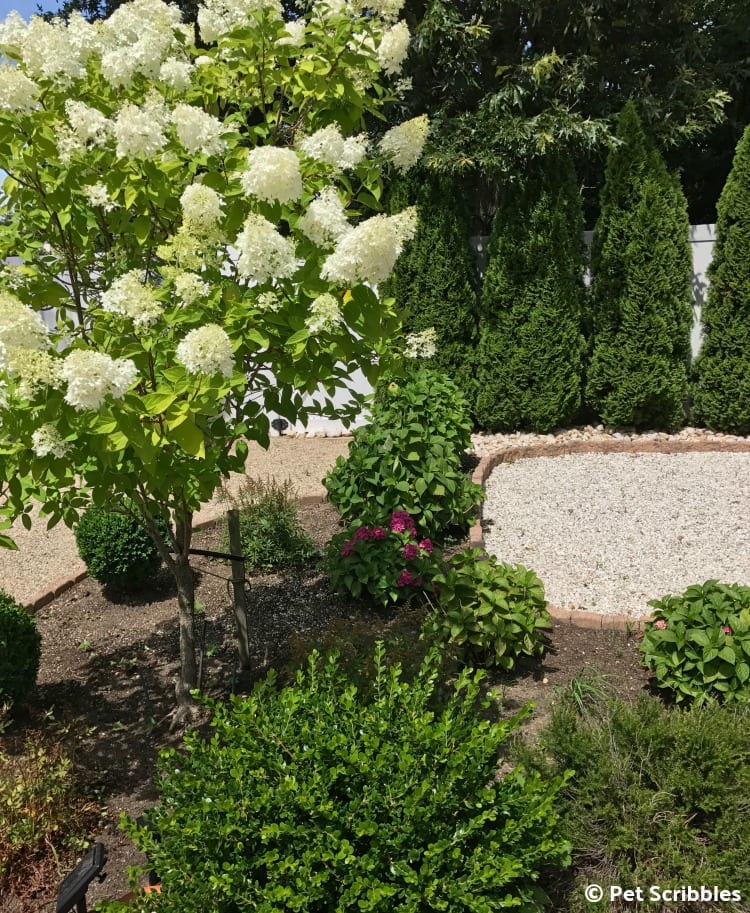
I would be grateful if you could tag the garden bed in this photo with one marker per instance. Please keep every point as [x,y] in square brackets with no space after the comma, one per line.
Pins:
[108,671]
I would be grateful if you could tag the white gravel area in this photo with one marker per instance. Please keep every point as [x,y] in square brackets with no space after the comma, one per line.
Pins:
[608,532]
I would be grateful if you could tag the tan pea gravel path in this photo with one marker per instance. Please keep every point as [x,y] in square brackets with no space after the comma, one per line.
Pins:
[45,556]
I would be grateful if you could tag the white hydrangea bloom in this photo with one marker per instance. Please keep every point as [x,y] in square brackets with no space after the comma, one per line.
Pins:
[129,297]
[325,314]
[198,131]
[20,326]
[388,10]
[202,60]
[272,175]
[88,127]
[421,345]
[325,220]
[269,301]
[295,32]
[3,356]
[86,38]
[138,133]
[13,34]
[17,91]
[91,376]
[3,392]
[264,253]
[207,350]
[393,48]
[35,369]
[368,252]
[202,206]
[190,288]
[217,18]
[355,149]
[325,145]
[176,74]
[98,195]
[141,37]
[48,52]
[403,144]
[47,440]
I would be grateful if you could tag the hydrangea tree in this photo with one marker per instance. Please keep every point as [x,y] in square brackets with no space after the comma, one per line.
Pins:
[194,247]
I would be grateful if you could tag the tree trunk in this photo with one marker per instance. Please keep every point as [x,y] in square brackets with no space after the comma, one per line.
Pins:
[187,677]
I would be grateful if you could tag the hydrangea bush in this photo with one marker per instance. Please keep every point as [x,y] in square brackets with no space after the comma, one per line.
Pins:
[697,644]
[194,250]
[389,563]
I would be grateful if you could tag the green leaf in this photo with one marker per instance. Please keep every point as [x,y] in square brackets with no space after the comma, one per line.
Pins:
[190,438]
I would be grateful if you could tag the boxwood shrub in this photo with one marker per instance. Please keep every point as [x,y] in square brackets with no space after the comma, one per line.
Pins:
[117,551]
[319,798]
[20,650]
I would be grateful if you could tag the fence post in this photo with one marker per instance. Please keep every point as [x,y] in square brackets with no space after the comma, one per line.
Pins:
[238,587]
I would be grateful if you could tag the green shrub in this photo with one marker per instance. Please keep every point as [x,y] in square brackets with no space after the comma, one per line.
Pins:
[389,563]
[530,353]
[493,613]
[641,300]
[117,550]
[269,527]
[20,650]
[409,458]
[41,813]
[320,798]
[434,281]
[659,798]
[698,644]
[721,391]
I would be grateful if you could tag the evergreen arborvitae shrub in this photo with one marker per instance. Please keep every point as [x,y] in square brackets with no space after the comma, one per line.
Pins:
[117,551]
[641,300]
[721,392]
[530,352]
[435,280]
[20,649]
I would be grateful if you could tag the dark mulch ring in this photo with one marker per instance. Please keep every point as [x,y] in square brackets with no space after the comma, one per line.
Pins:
[108,665]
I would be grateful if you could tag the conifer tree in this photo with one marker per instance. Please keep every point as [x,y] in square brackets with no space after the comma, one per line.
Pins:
[530,351]
[435,278]
[640,305]
[722,371]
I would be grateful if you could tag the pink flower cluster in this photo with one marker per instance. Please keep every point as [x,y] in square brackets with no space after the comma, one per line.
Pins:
[660,624]
[401,522]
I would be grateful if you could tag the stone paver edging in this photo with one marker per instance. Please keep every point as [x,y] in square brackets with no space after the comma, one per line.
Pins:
[581,618]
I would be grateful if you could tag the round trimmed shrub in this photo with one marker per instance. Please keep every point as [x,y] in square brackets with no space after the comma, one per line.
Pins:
[320,797]
[118,552]
[20,649]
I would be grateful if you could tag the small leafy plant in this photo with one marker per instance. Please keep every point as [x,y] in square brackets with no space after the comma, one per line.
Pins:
[409,458]
[318,797]
[698,644]
[20,650]
[493,613]
[41,813]
[269,527]
[117,550]
[388,562]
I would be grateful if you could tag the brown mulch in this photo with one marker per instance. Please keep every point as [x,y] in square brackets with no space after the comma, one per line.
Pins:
[108,668]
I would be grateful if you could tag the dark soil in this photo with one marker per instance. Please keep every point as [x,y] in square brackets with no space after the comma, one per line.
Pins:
[108,666]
